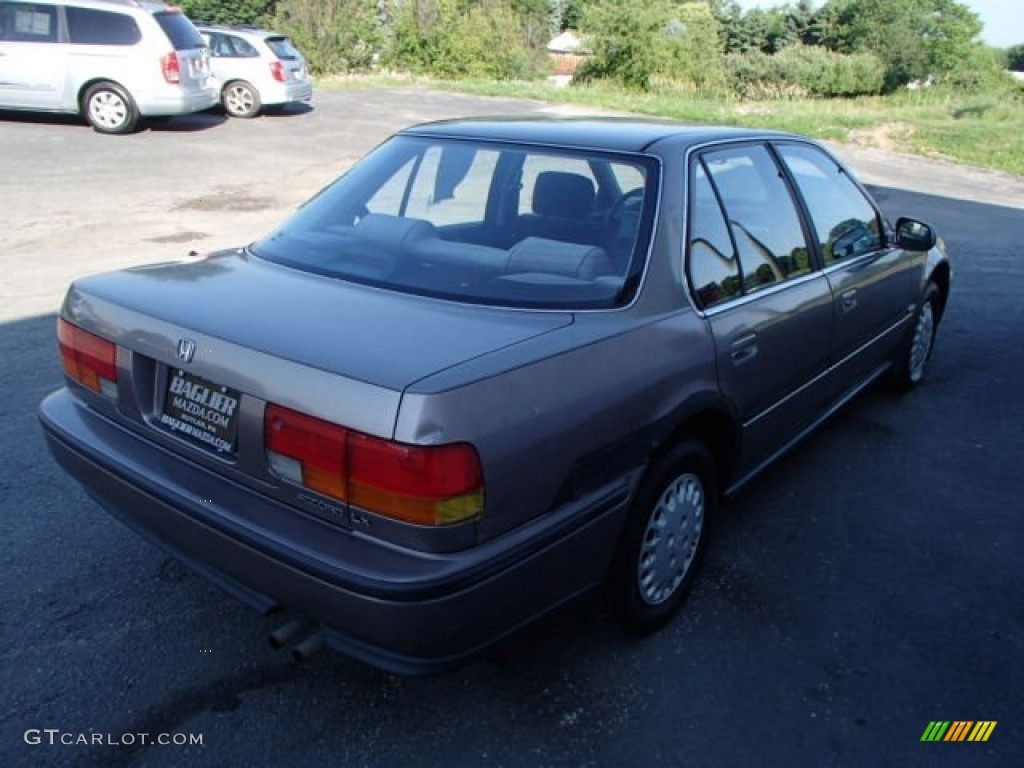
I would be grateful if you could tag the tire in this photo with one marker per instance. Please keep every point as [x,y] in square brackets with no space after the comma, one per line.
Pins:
[917,350]
[654,566]
[241,99]
[110,109]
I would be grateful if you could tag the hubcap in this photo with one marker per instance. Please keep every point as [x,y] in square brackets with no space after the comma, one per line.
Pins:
[240,99]
[921,345]
[108,109]
[670,541]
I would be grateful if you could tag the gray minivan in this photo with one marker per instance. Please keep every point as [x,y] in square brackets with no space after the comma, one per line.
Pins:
[112,61]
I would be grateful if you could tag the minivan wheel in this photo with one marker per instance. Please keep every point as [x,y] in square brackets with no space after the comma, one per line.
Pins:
[664,538]
[918,351]
[109,109]
[241,99]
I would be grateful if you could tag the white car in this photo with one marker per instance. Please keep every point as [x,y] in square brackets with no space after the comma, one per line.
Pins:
[112,61]
[255,68]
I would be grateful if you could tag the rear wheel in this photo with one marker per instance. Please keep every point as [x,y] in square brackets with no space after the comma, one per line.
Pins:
[664,539]
[241,99]
[110,109]
[911,367]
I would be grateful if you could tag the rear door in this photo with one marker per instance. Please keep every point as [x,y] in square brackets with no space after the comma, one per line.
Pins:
[33,56]
[873,285]
[768,305]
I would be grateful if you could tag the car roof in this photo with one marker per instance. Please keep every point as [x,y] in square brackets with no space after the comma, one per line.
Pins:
[237,29]
[151,6]
[620,134]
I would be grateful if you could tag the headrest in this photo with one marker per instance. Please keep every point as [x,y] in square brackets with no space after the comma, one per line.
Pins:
[565,195]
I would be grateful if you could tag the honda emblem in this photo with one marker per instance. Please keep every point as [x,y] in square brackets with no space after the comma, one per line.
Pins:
[186,350]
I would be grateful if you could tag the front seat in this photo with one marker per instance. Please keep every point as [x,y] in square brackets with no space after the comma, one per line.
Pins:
[562,204]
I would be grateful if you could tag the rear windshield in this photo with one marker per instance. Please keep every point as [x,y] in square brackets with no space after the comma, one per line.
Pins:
[479,222]
[282,48]
[179,30]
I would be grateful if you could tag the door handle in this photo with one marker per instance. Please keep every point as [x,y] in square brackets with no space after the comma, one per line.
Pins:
[849,300]
[744,348]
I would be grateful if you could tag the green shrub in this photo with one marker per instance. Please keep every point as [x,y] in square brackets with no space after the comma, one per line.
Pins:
[229,11]
[333,35]
[452,39]
[636,41]
[799,71]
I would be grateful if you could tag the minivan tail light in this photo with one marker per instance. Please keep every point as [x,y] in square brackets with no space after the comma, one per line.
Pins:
[425,485]
[88,359]
[277,71]
[171,66]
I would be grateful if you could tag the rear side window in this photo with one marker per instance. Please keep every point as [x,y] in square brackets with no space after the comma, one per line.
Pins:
[762,216]
[242,48]
[714,268]
[179,30]
[28,23]
[91,27]
[282,48]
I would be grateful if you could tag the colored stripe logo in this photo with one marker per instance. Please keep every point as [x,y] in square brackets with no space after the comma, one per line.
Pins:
[959,730]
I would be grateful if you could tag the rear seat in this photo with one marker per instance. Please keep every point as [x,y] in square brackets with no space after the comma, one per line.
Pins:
[400,238]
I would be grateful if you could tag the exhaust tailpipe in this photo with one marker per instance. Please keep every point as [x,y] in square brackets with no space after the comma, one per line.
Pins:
[288,631]
[302,651]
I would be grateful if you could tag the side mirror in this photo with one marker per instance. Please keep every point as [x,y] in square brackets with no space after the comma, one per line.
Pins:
[914,235]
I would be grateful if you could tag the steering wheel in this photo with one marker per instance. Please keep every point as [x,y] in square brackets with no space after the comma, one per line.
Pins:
[634,197]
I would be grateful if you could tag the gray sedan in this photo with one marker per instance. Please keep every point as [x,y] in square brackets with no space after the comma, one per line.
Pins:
[497,365]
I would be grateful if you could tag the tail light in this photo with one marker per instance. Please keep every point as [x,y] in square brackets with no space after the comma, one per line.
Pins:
[425,485]
[88,359]
[171,66]
[277,71]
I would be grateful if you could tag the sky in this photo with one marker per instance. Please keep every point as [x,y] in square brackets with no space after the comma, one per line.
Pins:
[1003,19]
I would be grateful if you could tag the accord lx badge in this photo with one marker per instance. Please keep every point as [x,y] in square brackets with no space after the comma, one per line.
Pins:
[186,350]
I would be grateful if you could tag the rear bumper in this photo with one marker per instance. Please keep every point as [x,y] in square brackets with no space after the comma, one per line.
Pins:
[172,101]
[404,611]
[285,93]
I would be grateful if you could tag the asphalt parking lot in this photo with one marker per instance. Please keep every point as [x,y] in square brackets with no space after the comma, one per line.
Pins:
[868,584]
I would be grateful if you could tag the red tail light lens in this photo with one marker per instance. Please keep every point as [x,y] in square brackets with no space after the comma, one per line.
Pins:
[277,71]
[426,485]
[171,66]
[88,359]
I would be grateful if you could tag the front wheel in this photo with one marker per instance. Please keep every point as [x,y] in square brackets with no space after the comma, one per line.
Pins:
[664,538]
[914,359]
[110,109]
[241,99]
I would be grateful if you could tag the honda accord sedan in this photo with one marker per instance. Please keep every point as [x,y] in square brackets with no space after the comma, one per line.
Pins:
[495,366]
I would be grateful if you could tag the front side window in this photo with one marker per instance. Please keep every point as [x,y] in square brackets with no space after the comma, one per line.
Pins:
[91,27]
[478,222]
[28,23]
[846,224]
[763,219]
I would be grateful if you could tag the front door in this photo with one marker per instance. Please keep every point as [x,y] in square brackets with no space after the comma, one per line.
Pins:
[873,285]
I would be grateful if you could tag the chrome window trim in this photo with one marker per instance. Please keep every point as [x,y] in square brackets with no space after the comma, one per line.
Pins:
[771,290]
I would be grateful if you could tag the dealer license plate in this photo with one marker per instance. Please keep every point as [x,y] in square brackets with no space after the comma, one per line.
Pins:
[202,410]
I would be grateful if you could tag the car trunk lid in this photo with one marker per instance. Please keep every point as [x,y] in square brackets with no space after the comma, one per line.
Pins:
[373,336]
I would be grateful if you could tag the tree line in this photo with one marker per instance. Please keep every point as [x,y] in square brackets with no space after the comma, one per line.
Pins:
[838,48]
